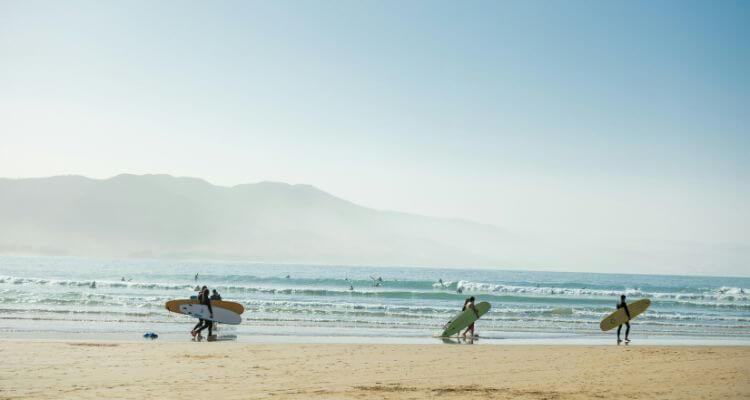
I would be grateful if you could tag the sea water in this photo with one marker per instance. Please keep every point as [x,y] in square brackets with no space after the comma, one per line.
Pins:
[66,297]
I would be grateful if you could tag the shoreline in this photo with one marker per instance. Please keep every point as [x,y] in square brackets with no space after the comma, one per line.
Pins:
[269,336]
[54,298]
[107,369]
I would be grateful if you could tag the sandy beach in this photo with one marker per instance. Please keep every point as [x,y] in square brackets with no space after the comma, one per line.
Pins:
[78,369]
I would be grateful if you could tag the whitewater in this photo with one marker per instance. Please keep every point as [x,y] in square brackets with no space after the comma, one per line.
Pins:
[64,297]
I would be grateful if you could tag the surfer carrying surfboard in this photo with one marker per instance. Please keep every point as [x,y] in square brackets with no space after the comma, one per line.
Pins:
[624,305]
[469,304]
[204,298]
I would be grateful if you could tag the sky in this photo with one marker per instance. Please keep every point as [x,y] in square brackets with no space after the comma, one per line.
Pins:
[613,134]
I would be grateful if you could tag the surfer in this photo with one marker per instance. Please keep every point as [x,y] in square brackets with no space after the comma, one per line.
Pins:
[469,303]
[215,295]
[620,305]
[204,299]
[196,276]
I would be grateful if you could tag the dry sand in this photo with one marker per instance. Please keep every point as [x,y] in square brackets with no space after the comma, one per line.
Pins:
[218,371]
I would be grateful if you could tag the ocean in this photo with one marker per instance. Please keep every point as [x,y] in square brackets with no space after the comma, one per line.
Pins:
[68,297]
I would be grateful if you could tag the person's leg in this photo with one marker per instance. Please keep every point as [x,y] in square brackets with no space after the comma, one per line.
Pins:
[471,328]
[211,328]
[195,328]
[627,331]
[200,322]
[619,328]
[204,326]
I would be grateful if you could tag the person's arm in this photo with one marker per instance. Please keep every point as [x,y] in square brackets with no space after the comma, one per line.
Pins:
[627,312]
[475,310]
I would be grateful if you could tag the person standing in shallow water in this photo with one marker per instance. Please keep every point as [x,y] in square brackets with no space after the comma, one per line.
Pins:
[469,305]
[624,305]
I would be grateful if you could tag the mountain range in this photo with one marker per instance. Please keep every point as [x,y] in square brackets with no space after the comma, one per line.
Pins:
[166,216]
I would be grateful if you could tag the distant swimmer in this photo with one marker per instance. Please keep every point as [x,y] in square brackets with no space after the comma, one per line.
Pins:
[440,281]
[215,295]
[469,304]
[93,285]
[459,290]
[351,287]
[288,277]
[123,279]
[624,305]
[196,276]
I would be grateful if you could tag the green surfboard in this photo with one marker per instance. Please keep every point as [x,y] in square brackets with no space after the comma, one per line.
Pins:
[464,319]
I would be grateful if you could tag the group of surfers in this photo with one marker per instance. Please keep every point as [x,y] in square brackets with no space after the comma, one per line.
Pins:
[205,297]
[469,305]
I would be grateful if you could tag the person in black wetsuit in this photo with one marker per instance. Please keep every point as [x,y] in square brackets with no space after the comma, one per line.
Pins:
[205,299]
[469,303]
[194,331]
[624,305]
[215,295]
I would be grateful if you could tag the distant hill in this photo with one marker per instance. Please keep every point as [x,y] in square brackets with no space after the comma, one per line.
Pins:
[164,216]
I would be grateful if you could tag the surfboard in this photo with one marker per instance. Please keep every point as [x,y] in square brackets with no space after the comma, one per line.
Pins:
[464,319]
[619,317]
[174,305]
[220,315]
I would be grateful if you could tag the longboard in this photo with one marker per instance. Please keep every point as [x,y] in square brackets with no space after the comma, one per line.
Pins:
[619,317]
[220,315]
[464,319]
[174,305]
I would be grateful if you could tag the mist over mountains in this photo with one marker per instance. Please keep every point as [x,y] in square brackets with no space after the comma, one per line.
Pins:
[165,216]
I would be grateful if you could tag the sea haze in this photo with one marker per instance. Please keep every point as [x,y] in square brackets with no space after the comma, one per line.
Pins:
[62,297]
[162,216]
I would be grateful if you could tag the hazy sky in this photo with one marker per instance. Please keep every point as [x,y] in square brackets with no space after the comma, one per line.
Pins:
[614,132]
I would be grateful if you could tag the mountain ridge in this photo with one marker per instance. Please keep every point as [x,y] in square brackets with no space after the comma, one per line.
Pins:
[161,215]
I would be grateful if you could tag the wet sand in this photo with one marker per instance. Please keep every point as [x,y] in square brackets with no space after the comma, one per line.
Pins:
[219,370]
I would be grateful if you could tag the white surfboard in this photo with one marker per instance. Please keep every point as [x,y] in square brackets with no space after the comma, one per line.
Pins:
[221,315]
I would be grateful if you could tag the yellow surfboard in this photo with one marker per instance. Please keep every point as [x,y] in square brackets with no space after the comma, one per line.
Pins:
[174,305]
[619,317]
